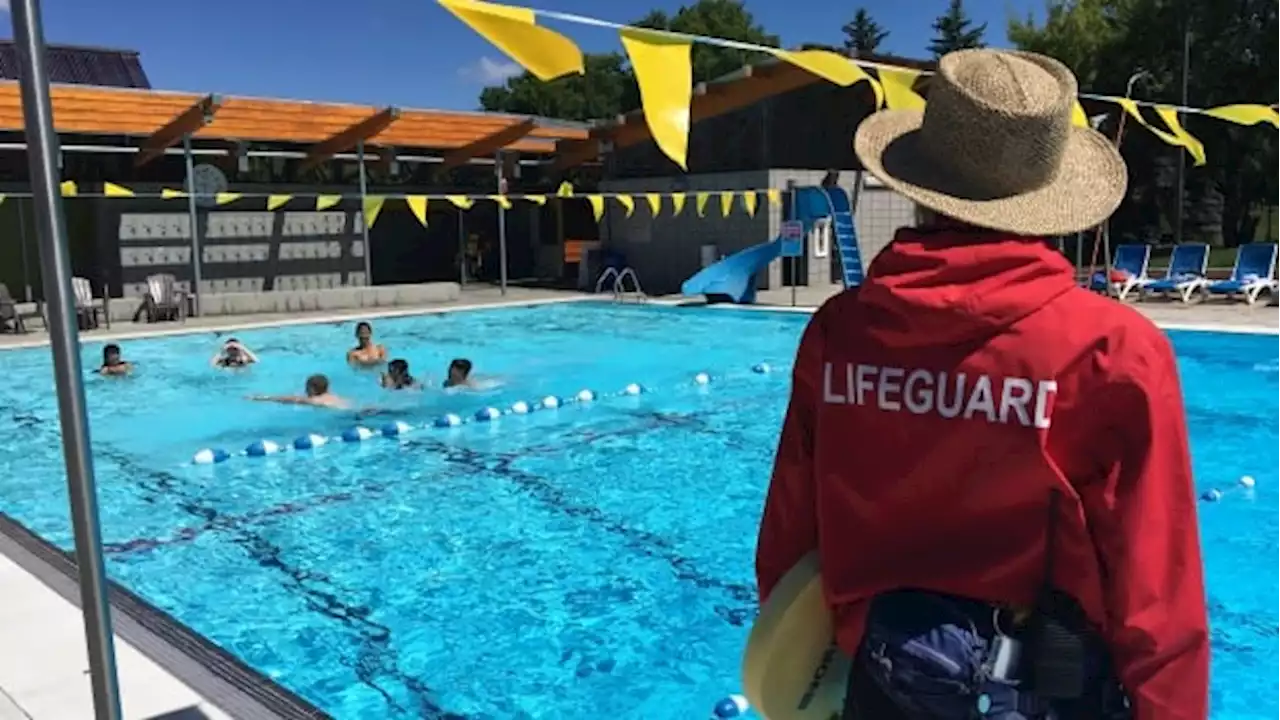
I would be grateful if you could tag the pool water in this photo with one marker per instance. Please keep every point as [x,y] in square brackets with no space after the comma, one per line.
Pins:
[591,561]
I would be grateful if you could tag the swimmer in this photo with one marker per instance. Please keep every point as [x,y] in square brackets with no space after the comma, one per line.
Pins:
[459,374]
[112,363]
[397,376]
[233,355]
[366,353]
[317,395]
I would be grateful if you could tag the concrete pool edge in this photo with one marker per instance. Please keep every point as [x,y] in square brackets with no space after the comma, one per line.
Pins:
[245,322]
[215,674]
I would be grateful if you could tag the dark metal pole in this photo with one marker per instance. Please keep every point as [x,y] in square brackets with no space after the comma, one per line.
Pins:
[794,261]
[64,342]
[502,224]
[1182,156]
[364,191]
[193,216]
[462,249]
[28,294]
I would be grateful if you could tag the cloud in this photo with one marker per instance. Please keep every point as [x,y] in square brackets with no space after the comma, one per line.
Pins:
[486,70]
[4,7]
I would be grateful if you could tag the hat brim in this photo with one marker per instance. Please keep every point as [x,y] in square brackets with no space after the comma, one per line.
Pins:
[1089,186]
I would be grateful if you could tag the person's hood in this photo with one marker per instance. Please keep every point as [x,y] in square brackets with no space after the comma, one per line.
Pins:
[945,286]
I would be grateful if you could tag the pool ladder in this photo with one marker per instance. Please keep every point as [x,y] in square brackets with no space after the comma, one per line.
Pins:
[619,287]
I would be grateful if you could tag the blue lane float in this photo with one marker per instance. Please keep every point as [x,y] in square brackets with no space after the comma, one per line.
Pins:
[734,706]
[360,433]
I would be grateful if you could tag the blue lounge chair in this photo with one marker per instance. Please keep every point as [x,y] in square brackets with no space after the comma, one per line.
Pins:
[1255,264]
[1185,275]
[1132,261]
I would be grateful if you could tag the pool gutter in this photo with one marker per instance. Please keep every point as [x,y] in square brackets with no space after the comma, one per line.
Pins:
[219,677]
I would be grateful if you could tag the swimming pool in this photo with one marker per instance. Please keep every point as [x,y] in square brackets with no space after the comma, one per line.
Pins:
[592,561]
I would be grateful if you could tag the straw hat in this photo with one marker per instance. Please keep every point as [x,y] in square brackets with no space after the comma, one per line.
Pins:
[995,147]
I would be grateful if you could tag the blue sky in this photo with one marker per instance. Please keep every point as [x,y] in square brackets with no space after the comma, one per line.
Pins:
[410,53]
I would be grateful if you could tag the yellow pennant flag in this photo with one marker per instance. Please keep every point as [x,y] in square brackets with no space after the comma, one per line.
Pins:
[224,198]
[897,84]
[664,72]
[749,202]
[832,67]
[167,194]
[677,203]
[565,190]
[275,202]
[1193,146]
[514,31]
[1245,114]
[535,199]
[1078,118]
[372,207]
[418,206]
[462,202]
[324,202]
[502,201]
[597,206]
[655,203]
[774,195]
[1177,138]
[69,189]
[700,203]
[726,203]
[627,202]
[114,190]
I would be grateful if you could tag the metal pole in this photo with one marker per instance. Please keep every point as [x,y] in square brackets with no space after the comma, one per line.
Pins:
[194,217]
[64,342]
[1182,156]
[364,221]
[502,225]
[28,293]
[795,261]
[462,248]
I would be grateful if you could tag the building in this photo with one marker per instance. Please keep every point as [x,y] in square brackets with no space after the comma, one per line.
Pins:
[770,125]
[117,132]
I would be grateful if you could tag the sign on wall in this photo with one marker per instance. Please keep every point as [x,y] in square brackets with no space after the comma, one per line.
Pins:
[792,238]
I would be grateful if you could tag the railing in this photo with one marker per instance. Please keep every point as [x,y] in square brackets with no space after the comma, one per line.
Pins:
[619,286]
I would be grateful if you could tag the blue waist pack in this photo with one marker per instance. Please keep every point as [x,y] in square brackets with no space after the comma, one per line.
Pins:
[932,657]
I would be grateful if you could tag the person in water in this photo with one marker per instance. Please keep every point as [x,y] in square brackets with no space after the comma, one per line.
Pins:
[113,363]
[459,374]
[316,394]
[397,376]
[233,354]
[366,353]
[975,442]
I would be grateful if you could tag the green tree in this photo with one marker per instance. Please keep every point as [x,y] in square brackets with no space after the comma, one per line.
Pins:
[728,19]
[954,30]
[863,34]
[600,92]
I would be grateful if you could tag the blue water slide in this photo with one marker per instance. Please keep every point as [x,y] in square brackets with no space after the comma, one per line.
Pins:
[733,277]
[814,203]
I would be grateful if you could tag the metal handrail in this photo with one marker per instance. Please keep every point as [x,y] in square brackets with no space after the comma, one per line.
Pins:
[604,277]
[620,286]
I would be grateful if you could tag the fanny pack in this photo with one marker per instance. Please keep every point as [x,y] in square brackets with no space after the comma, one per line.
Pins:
[939,657]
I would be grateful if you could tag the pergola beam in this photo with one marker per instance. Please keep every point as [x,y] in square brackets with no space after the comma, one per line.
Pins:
[347,139]
[185,123]
[489,144]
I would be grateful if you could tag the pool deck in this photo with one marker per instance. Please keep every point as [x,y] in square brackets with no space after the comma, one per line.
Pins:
[48,678]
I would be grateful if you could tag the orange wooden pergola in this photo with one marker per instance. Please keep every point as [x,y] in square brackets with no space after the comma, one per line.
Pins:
[160,119]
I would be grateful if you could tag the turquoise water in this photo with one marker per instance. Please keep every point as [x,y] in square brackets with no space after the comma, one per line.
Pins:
[592,561]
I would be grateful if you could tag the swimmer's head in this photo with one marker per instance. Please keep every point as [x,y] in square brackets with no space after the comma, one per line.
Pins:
[317,385]
[111,354]
[233,349]
[398,368]
[459,371]
[364,331]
